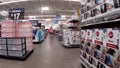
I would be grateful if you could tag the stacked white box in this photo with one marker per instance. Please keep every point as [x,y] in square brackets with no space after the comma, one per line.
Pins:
[8,29]
[25,30]
[112,38]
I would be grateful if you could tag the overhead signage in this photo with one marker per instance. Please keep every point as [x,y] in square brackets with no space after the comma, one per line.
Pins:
[16,13]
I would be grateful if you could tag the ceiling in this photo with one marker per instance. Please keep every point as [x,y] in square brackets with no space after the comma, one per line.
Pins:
[33,8]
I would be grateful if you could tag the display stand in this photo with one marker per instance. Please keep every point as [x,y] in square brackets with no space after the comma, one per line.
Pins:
[100,34]
[71,35]
[16,40]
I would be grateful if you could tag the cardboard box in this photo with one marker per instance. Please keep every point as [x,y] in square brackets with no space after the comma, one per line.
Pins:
[83,35]
[109,60]
[103,54]
[98,37]
[112,38]
[89,35]
[109,5]
[104,38]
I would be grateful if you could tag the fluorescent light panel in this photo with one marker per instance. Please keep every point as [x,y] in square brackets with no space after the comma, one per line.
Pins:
[32,17]
[44,8]
[4,13]
[48,20]
[63,16]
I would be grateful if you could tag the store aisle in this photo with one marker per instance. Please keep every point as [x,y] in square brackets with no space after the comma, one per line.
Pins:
[48,54]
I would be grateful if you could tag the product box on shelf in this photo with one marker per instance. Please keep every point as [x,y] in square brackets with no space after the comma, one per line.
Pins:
[89,7]
[92,61]
[92,48]
[103,8]
[101,65]
[98,37]
[76,40]
[100,51]
[83,35]
[86,15]
[8,31]
[97,51]
[66,36]
[3,47]
[89,35]
[16,53]
[91,3]
[77,33]
[24,29]
[85,56]
[3,52]
[87,47]
[117,62]
[16,47]
[103,53]
[71,39]
[2,41]
[97,2]
[104,37]
[66,40]
[84,8]
[88,1]
[114,53]
[84,62]
[93,12]
[113,38]
[116,3]
[109,60]
[109,5]
[112,57]
[97,11]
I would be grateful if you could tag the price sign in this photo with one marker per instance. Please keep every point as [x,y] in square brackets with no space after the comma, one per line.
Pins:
[16,14]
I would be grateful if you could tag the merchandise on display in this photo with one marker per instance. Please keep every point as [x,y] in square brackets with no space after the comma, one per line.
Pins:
[116,3]
[113,38]
[16,39]
[71,35]
[97,50]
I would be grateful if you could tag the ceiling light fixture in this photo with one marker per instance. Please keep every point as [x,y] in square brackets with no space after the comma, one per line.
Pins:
[44,8]
[63,17]
[48,20]
[32,17]
[4,13]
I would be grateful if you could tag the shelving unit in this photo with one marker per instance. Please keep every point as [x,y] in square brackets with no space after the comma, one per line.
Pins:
[100,36]
[71,35]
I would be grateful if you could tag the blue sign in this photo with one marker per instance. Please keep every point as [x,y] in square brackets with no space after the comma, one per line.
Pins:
[57,19]
[16,13]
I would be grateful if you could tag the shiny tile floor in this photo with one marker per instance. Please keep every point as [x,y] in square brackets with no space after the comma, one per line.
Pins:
[49,54]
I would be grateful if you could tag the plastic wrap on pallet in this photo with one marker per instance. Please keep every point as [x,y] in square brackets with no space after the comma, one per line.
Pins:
[8,29]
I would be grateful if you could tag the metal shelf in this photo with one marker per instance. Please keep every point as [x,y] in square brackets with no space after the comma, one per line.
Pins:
[100,23]
[114,11]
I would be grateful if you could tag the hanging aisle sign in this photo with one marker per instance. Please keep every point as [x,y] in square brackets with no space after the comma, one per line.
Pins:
[16,14]
[57,19]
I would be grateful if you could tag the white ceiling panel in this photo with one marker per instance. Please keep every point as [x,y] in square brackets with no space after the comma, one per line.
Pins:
[33,7]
